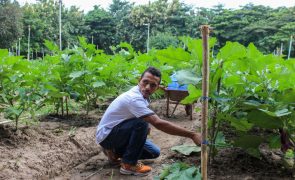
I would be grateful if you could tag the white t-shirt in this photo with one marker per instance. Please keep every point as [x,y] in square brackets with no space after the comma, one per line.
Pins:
[128,105]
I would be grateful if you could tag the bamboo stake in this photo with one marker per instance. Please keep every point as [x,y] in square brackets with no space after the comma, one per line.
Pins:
[205,94]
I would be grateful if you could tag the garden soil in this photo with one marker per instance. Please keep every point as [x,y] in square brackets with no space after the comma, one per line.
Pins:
[64,148]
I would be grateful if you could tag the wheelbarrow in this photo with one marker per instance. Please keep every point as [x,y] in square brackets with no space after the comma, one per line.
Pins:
[174,96]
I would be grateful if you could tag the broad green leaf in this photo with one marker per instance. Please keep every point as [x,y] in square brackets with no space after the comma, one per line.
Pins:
[173,56]
[193,96]
[51,46]
[82,42]
[279,113]
[288,96]
[252,104]
[241,124]
[180,171]
[188,174]
[3,53]
[275,142]
[232,80]
[187,77]
[98,84]
[263,120]
[220,139]
[239,90]
[232,51]
[253,52]
[77,74]
[250,143]
[186,149]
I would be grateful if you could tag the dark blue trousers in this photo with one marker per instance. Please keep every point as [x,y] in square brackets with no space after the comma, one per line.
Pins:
[129,140]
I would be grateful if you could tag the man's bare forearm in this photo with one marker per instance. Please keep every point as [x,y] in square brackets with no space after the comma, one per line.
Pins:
[169,127]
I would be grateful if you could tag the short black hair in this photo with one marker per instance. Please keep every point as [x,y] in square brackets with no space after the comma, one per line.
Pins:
[154,71]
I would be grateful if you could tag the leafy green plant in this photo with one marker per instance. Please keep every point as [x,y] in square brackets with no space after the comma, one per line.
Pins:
[186,149]
[20,88]
[179,171]
[248,90]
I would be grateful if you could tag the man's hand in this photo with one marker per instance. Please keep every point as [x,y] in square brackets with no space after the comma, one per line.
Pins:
[197,138]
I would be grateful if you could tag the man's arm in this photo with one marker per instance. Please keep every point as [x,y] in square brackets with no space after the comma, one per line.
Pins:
[173,129]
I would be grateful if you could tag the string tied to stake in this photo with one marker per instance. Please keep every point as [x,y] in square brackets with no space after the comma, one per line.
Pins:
[203,98]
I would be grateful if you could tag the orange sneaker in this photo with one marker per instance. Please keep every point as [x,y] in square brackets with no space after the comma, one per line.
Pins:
[112,157]
[138,170]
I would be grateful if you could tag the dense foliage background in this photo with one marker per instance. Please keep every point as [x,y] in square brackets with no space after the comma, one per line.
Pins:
[267,28]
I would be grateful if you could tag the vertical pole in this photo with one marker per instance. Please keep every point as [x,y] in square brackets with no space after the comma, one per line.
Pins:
[91,39]
[16,49]
[205,94]
[148,39]
[29,36]
[19,46]
[281,50]
[42,53]
[290,47]
[59,19]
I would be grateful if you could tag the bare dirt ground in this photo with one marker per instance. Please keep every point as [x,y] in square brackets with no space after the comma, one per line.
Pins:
[64,148]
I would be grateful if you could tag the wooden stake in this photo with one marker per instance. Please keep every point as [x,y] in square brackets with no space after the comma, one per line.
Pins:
[205,94]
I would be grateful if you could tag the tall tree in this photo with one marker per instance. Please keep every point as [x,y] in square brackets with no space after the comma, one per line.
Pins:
[164,17]
[267,28]
[10,23]
[102,27]
[120,10]
[42,17]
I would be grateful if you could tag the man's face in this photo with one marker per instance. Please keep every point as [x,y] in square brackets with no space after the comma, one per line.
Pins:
[148,84]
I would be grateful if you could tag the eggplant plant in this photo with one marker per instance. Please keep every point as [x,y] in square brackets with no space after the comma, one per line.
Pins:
[20,88]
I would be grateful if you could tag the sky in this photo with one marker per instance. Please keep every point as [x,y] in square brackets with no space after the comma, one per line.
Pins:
[234,4]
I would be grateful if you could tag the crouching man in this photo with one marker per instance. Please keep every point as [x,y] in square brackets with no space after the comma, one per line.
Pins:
[123,129]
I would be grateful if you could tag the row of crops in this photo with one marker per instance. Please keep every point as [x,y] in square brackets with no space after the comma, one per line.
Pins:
[247,88]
